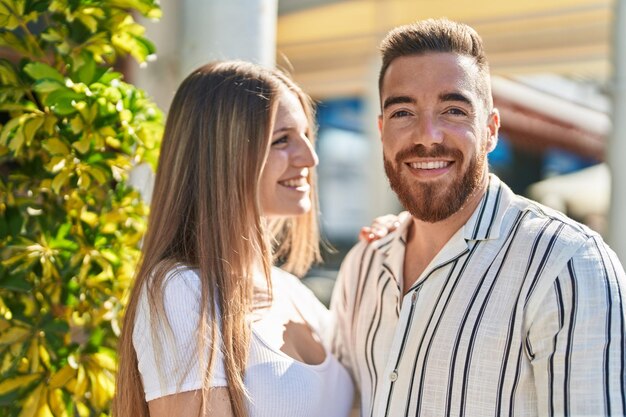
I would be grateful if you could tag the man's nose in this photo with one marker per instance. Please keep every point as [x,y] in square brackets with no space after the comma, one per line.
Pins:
[428,131]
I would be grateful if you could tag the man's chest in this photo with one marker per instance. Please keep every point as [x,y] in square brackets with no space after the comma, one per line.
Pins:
[454,335]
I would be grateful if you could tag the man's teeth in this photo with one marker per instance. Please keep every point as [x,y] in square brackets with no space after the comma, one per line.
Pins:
[429,165]
[294,183]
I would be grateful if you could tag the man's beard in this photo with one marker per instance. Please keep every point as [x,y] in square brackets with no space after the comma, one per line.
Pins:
[433,201]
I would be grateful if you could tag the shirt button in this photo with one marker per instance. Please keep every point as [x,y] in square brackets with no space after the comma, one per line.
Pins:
[393,376]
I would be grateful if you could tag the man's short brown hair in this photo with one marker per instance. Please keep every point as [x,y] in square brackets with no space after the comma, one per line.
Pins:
[436,35]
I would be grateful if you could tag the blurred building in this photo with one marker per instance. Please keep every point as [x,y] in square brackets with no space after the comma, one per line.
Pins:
[551,69]
[551,62]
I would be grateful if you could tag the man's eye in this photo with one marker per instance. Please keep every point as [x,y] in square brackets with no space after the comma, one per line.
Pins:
[456,111]
[400,113]
[281,140]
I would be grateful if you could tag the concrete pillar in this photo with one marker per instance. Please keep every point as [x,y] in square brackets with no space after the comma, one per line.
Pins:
[233,29]
[617,140]
[194,32]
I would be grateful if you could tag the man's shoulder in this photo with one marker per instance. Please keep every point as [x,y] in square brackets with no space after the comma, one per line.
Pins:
[538,219]
[383,245]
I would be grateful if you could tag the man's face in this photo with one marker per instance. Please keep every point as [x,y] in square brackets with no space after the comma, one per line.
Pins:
[436,132]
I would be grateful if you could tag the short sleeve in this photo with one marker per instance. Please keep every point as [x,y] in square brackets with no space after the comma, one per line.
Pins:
[168,357]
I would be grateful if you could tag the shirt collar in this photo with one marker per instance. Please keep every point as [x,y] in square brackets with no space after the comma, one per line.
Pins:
[484,224]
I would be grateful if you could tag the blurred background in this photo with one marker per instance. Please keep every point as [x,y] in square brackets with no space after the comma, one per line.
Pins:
[558,82]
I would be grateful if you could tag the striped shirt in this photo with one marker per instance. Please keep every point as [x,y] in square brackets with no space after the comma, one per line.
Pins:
[522,313]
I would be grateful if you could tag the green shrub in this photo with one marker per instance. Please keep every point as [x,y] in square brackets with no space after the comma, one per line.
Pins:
[70,225]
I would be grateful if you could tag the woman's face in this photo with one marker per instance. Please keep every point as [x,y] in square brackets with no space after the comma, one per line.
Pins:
[284,188]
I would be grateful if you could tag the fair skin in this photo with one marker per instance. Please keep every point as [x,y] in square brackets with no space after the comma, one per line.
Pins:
[441,106]
[284,190]
[284,187]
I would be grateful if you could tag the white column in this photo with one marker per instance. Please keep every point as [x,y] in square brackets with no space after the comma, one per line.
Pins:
[617,141]
[160,77]
[194,32]
[233,29]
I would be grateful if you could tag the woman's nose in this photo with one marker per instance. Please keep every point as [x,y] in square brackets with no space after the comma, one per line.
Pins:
[305,154]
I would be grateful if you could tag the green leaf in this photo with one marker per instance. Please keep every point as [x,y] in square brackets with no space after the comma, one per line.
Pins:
[40,71]
[14,221]
[46,86]
[52,35]
[144,7]
[61,95]
[109,76]
[28,106]
[9,399]
[17,283]
[98,157]
[16,382]
[60,180]
[13,335]
[16,143]
[12,41]
[7,73]
[86,72]
[19,7]
[63,244]
[8,128]
[63,230]
[31,127]
[56,146]
[147,45]
[8,19]
[60,101]
[38,6]
[90,22]
[55,326]
[83,144]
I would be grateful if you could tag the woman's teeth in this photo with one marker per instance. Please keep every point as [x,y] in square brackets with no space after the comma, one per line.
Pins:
[294,183]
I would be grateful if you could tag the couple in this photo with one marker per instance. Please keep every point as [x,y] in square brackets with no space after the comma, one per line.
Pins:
[480,303]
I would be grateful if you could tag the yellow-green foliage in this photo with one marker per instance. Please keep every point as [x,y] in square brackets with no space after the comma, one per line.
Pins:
[70,226]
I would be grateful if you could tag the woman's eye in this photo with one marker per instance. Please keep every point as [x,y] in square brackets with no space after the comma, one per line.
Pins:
[281,140]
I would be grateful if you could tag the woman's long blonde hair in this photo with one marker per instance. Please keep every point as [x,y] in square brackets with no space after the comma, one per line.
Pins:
[205,214]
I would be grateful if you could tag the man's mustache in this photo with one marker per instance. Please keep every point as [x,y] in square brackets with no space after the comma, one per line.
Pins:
[434,151]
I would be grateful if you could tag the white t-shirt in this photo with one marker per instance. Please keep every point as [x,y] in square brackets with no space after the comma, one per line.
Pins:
[278,384]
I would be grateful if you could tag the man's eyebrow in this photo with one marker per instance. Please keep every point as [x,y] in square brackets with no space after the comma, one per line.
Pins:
[390,101]
[455,97]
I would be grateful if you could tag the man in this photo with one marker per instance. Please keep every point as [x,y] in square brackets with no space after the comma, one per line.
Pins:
[482,303]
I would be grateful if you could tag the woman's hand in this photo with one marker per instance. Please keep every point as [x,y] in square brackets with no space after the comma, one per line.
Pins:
[382,226]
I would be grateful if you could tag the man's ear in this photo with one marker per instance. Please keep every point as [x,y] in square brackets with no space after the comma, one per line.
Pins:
[380,126]
[493,125]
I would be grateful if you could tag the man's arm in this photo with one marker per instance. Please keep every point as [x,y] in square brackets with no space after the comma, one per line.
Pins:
[576,340]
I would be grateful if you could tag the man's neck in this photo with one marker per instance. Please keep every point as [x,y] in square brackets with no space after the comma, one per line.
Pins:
[425,240]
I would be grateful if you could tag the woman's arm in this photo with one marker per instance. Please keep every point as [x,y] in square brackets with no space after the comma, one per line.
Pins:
[187,404]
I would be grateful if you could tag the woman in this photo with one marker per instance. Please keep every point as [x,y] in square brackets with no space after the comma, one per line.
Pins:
[211,327]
